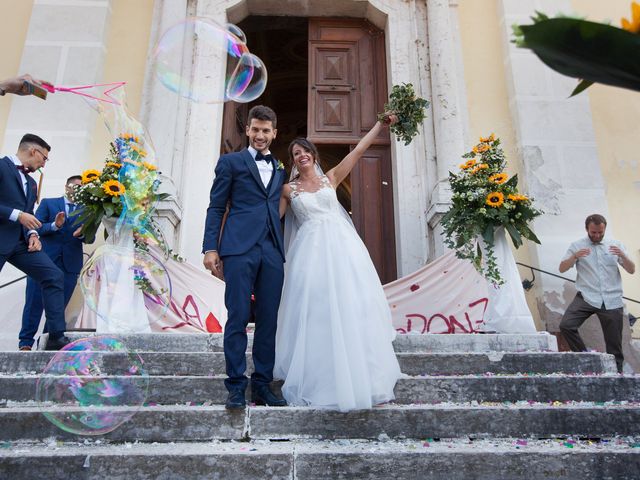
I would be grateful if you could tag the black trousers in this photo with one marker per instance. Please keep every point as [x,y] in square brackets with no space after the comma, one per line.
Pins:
[610,321]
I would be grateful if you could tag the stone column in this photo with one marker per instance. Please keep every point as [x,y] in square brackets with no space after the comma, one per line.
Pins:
[446,109]
[560,167]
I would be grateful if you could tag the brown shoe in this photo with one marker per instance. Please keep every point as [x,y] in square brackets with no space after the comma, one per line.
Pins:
[25,348]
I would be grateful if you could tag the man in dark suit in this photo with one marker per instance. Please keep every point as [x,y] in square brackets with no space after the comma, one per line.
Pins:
[251,247]
[19,241]
[62,241]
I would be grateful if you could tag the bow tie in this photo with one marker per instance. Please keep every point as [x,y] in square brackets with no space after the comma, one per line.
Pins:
[23,169]
[267,158]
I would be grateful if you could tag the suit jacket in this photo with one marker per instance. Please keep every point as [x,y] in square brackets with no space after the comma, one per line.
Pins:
[62,247]
[252,206]
[12,197]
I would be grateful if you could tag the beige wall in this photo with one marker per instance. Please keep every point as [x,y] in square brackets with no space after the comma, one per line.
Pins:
[127,46]
[616,121]
[616,118]
[13,32]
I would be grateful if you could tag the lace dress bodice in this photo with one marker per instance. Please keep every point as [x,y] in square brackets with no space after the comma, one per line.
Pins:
[320,204]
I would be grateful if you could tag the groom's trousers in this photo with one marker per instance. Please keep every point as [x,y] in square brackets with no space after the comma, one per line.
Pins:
[260,272]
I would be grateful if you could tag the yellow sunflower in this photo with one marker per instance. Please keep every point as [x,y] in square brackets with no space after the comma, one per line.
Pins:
[633,26]
[89,176]
[113,164]
[468,164]
[113,188]
[517,197]
[480,148]
[482,166]
[499,178]
[495,199]
[149,166]
[488,139]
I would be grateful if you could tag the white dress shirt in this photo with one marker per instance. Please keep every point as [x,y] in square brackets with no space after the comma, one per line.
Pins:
[15,213]
[265,169]
[598,276]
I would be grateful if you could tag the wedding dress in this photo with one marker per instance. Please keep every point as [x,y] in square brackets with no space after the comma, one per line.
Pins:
[334,339]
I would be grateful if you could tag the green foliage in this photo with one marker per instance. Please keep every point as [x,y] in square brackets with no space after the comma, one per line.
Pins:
[483,199]
[409,109]
[589,51]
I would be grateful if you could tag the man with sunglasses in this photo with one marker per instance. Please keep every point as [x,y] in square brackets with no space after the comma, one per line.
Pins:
[19,240]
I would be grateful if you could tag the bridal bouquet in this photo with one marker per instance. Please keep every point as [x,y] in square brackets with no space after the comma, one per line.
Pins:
[590,51]
[126,184]
[483,199]
[409,109]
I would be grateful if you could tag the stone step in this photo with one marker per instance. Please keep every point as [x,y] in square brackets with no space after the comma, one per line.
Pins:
[198,423]
[424,389]
[177,342]
[212,363]
[455,459]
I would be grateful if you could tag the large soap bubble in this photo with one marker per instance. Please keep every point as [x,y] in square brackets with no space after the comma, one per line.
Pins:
[92,386]
[225,70]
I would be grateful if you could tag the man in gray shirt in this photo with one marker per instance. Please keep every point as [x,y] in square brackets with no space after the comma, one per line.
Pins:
[599,287]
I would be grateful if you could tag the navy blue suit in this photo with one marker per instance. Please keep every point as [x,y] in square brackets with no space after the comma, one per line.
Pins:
[13,244]
[251,248]
[66,252]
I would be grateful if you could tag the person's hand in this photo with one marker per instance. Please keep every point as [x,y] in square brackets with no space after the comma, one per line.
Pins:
[29,221]
[583,252]
[617,251]
[213,263]
[59,220]
[78,232]
[389,118]
[34,244]
[17,86]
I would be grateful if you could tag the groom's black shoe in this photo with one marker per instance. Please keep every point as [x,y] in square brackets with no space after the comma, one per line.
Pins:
[57,344]
[235,400]
[262,395]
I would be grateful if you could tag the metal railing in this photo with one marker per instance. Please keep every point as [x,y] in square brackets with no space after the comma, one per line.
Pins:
[528,284]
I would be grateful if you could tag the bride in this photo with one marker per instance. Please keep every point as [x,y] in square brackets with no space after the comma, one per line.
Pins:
[334,339]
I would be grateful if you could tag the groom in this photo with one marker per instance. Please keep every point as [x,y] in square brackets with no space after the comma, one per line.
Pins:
[251,248]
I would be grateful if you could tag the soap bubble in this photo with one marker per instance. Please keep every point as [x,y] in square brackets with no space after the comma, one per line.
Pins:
[92,386]
[243,80]
[126,287]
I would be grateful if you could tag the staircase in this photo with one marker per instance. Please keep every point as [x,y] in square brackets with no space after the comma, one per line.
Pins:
[469,407]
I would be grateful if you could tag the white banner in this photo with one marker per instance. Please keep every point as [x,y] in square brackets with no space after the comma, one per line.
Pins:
[446,296]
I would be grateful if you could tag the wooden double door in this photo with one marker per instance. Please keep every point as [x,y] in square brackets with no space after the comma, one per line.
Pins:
[345,85]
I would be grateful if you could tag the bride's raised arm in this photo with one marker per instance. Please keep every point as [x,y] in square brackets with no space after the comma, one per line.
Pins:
[338,173]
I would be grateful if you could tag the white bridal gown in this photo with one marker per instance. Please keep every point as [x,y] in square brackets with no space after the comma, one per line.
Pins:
[334,339]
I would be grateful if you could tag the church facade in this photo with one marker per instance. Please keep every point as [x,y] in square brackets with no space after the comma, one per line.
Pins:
[331,65]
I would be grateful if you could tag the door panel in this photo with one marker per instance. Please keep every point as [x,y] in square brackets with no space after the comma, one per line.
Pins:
[347,88]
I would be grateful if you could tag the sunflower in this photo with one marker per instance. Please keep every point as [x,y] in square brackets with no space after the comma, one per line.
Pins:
[633,26]
[480,148]
[517,197]
[113,164]
[488,139]
[113,188]
[149,166]
[468,164]
[499,178]
[482,166]
[495,199]
[89,176]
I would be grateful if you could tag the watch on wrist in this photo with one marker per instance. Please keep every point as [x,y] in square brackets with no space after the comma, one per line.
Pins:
[2,91]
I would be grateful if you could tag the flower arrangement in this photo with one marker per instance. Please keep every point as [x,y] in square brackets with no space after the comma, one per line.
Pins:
[127,186]
[409,109]
[589,51]
[484,197]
